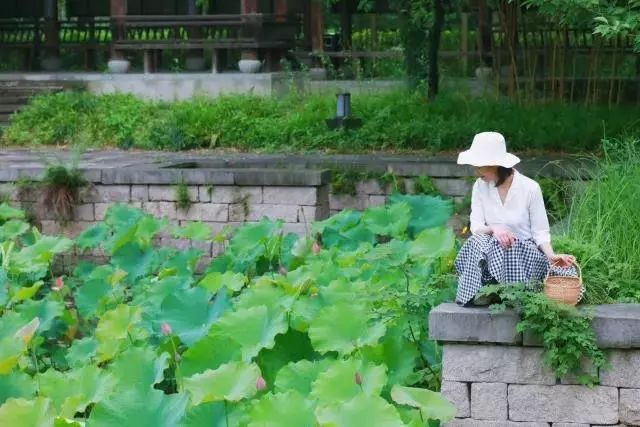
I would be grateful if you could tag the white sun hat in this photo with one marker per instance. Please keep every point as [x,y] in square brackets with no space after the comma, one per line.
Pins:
[488,149]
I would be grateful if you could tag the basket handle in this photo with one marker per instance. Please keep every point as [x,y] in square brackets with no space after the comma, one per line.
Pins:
[577,267]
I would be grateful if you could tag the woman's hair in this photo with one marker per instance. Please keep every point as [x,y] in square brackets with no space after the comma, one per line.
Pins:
[503,174]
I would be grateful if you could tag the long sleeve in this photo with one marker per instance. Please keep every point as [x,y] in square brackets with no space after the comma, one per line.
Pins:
[477,217]
[538,218]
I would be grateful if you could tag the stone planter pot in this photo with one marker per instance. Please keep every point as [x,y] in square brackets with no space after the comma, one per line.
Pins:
[249,65]
[118,66]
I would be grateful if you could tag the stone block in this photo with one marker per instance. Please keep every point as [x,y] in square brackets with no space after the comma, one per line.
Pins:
[302,196]
[617,325]
[377,201]
[340,202]
[308,214]
[169,193]
[9,191]
[207,176]
[241,212]
[630,406]
[211,212]
[624,370]
[204,193]
[281,177]
[112,193]
[139,193]
[84,212]
[450,322]
[370,187]
[73,229]
[569,425]
[179,244]
[489,401]
[563,403]
[495,364]
[299,228]
[205,247]
[587,367]
[453,187]
[458,394]
[100,210]
[161,209]
[468,422]
[234,194]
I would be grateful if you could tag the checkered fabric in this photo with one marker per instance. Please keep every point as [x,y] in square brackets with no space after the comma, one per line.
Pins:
[483,260]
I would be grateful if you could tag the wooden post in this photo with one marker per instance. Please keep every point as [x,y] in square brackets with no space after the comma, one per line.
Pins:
[345,25]
[117,8]
[249,7]
[484,33]
[464,41]
[51,61]
[195,57]
[316,13]
[281,10]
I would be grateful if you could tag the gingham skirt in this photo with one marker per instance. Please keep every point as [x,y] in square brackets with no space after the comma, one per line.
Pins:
[482,260]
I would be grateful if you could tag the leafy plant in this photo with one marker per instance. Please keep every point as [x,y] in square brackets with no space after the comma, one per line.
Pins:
[568,339]
[61,187]
[183,200]
[322,330]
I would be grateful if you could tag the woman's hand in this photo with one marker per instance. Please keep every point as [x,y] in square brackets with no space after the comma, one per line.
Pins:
[503,235]
[562,260]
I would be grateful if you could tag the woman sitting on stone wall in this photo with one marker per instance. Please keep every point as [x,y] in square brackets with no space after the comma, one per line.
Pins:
[511,242]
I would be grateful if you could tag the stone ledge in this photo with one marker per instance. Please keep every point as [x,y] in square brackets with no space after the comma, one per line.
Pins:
[615,325]
[450,322]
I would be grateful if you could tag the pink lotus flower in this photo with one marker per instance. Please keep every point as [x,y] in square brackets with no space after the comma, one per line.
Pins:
[261,384]
[166,329]
[58,284]
[282,270]
[358,378]
[316,248]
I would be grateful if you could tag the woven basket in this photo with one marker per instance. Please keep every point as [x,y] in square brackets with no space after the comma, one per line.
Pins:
[564,289]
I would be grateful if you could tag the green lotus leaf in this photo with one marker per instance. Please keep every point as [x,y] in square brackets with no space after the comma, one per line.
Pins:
[337,383]
[82,352]
[432,405]
[7,212]
[252,328]
[115,330]
[135,261]
[232,381]
[148,227]
[396,352]
[73,391]
[193,231]
[209,353]
[89,296]
[27,413]
[135,407]
[11,348]
[45,310]
[139,367]
[16,384]
[93,236]
[12,229]
[343,328]
[389,220]
[426,211]
[432,243]
[216,414]
[299,376]
[190,313]
[362,410]
[215,281]
[282,409]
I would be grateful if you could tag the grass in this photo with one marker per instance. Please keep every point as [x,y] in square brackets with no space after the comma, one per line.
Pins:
[397,121]
[602,225]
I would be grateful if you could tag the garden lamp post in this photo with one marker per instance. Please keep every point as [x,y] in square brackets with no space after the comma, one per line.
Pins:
[343,117]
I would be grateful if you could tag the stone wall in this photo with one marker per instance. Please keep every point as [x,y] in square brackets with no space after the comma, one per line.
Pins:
[496,376]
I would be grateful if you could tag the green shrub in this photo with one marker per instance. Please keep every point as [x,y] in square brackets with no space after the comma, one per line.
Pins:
[391,121]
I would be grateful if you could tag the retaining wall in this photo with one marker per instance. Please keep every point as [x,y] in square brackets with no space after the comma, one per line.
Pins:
[496,377]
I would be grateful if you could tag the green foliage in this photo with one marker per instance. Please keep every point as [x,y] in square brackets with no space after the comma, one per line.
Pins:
[599,226]
[280,328]
[61,189]
[392,121]
[183,200]
[568,339]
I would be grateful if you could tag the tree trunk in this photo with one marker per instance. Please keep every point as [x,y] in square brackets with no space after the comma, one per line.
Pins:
[434,48]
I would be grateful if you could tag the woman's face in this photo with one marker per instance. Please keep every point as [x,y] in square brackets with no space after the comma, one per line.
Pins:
[487,173]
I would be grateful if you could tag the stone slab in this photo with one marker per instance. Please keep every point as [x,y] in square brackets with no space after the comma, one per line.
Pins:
[489,401]
[450,322]
[569,425]
[458,394]
[617,325]
[624,369]
[630,406]
[491,364]
[275,177]
[468,422]
[563,403]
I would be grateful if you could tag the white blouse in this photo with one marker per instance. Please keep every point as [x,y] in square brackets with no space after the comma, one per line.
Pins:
[523,211]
